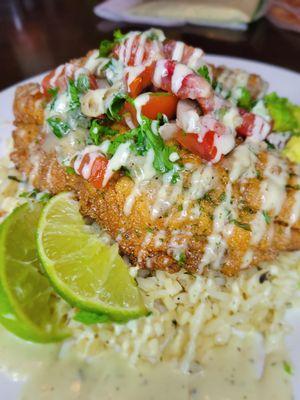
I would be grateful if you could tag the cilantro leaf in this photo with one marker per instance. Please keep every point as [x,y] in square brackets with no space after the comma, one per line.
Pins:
[287,368]
[59,127]
[53,92]
[245,100]
[74,96]
[147,140]
[115,106]
[106,46]
[203,71]
[82,83]
[114,144]
[97,131]
[286,116]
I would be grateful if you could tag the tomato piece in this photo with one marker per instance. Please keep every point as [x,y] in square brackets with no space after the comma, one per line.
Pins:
[98,172]
[60,81]
[97,169]
[205,149]
[245,129]
[141,82]
[159,102]
[93,82]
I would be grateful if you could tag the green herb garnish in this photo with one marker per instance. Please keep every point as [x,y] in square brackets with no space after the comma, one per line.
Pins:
[203,71]
[115,106]
[59,127]
[245,100]
[106,46]
[267,217]
[97,131]
[182,259]
[83,83]
[70,171]
[287,368]
[240,224]
[74,95]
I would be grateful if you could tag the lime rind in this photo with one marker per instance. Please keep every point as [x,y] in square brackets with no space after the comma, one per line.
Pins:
[93,276]
[12,312]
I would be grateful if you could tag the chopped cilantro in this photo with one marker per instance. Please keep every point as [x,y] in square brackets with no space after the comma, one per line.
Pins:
[82,83]
[182,259]
[114,144]
[74,96]
[70,171]
[97,131]
[175,178]
[270,145]
[147,139]
[115,106]
[267,217]
[203,71]
[287,368]
[53,92]
[285,115]
[180,207]
[106,46]
[59,127]
[245,100]
[240,224]
[222,197]
[29,195]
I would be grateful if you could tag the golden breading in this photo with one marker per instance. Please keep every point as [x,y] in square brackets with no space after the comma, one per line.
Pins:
[137,232]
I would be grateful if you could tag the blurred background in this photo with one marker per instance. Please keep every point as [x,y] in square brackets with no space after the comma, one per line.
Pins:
[37,35]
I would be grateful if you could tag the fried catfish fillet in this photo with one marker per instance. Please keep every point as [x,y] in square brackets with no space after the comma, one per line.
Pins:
[171,227]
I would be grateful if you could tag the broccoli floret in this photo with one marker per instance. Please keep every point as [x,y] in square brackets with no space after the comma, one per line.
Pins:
[286,116]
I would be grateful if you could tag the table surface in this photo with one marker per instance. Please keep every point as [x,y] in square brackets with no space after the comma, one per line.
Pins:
[37,35]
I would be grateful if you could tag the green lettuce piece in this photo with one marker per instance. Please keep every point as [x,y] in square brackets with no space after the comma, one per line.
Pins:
[285,115]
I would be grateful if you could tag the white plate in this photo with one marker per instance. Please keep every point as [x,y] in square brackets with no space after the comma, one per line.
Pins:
[286,83]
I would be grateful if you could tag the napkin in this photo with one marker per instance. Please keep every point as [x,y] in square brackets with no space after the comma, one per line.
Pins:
[234,14]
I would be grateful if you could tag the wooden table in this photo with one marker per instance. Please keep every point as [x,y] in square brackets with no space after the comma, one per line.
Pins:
[37,35]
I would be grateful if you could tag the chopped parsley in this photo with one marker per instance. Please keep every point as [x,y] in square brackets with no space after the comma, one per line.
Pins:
[59,127]
[182,259]
[83,83]
[74,95]
[245,100]
[70,171]
[113,111]
[240,224]
[287,368]
[267,217]
[106,46]
[204,72]
[53,92]
[97,131]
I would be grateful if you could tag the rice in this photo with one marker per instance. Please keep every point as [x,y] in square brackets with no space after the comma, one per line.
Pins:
[190,315]
[193,314]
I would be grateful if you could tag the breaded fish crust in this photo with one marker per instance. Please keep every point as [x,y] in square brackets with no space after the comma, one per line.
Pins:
[152,237]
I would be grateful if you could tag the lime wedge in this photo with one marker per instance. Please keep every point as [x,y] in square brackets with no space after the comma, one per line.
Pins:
[86,272]
[28,304]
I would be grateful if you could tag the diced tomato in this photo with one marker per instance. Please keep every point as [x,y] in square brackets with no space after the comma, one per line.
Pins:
[93,82]
[205,149]
[141,82]
[97,169]
[60,81]
[159,102]
[245,129]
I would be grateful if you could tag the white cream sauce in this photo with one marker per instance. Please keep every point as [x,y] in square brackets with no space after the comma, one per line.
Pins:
[236,371]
